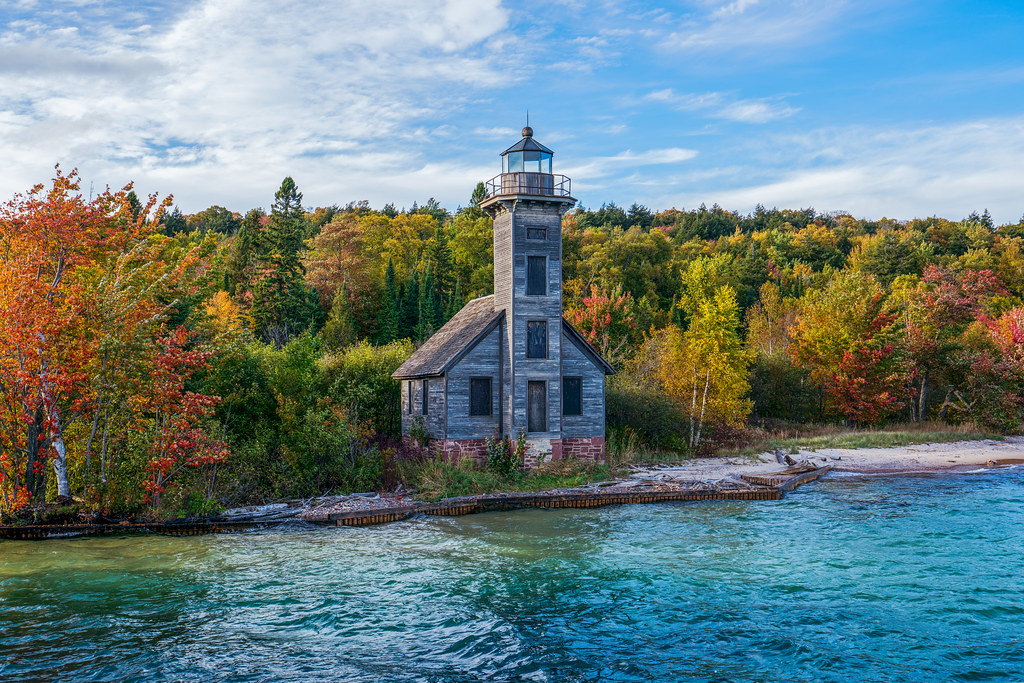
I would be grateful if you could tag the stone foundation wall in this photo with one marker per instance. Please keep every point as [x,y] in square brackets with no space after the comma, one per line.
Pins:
[454,450]
[538,451]
[584,447]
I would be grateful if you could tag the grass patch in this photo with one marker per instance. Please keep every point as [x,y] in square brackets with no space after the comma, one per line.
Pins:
[435,479]
[835,436]
[625,446]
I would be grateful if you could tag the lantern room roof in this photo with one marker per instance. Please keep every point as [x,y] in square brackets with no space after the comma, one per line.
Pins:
[527,144]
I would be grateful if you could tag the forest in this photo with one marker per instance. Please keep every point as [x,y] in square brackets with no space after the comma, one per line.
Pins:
[154,363]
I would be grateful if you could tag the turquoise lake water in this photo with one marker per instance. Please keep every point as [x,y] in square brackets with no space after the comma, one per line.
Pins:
[846,579]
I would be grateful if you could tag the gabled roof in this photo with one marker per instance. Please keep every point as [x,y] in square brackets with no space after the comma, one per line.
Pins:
[527,145]
[587,347]
[453,340]
[460,334]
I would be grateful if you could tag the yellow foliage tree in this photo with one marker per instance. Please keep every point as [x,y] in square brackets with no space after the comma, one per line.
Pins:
[704,369]
[769,321]
[224,314]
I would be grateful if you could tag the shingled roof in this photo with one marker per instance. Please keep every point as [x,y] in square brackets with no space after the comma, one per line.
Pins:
[447,345]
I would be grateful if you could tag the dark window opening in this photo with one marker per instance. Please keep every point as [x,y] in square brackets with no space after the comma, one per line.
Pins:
[536,275]
[426,395]
[536,233]
[536,407]
[480,397]
[537,339]
[409,392]
[572,395]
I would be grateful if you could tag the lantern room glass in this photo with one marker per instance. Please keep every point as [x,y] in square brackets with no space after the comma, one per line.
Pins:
[526,162]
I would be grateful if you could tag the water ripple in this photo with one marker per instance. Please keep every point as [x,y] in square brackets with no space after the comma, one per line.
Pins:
[853,578]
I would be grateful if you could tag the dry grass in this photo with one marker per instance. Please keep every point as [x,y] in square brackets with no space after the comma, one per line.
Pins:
[624,446]
[436,479]
[797,437]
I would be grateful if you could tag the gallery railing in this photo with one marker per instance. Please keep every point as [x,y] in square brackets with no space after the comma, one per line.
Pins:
[541,184]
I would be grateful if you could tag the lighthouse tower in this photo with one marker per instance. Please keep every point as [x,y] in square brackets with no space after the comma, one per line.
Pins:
[508,364]
[527,202]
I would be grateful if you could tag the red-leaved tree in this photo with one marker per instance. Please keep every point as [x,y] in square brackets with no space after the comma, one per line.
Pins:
[606,320]
[180,437]
[996,382]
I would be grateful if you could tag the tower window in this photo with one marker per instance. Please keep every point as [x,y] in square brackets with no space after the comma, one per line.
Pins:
[537,407]
[537,339]
[426,395]
[535,232]
[536,275]
[572,396]
[480,397]
[408,386]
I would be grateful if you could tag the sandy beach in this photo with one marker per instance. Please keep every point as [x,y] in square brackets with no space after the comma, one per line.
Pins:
[928,457]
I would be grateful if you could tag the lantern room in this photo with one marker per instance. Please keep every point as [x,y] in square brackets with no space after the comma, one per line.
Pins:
[526,156]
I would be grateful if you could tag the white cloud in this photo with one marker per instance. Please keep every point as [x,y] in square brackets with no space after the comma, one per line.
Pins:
[947,170]
[236,94]
[496,132]
[624,162]
[730,9]
[723,105]
[756,111]
[743,24]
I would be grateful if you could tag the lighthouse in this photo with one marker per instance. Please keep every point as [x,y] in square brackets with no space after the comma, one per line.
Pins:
[509,364]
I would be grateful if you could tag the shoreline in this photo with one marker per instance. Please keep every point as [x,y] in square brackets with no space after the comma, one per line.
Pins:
[759,477]
[926,458]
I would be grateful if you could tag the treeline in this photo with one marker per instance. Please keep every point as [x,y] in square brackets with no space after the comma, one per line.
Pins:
[158,361]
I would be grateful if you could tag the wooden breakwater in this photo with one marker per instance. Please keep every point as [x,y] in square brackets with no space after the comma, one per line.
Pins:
[786,481]
[176,528]
[761,487]
[770,489]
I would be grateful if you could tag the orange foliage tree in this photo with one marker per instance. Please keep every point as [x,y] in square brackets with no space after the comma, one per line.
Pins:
[46,235]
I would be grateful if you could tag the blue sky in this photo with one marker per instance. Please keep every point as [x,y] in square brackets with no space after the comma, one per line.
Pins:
[902,108]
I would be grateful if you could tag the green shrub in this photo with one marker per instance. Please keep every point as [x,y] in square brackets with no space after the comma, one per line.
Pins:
[359,378]
[436,479]
[503,457]
[647,412]
[782,391]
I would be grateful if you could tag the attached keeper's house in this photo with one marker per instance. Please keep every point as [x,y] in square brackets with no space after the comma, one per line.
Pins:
[509,363]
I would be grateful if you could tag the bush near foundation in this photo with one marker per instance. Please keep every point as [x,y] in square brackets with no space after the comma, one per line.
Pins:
[645,411]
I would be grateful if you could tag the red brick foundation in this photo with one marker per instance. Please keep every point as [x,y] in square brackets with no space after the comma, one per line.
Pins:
[583,447]
[454,450]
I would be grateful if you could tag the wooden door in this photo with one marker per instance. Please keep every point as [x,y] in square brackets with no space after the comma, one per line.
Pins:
[537,407]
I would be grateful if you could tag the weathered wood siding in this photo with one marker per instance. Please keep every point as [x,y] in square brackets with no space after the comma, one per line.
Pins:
[512,219]
[576,363]
[483,360]
[434,420]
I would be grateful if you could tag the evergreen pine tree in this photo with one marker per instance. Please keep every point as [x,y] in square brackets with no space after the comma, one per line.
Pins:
[430,307]
[479,194]
[173,223]
[439,256]
[407,329]
[389,312]
[455,303]
[237,274]
[281,301]
[339,332]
